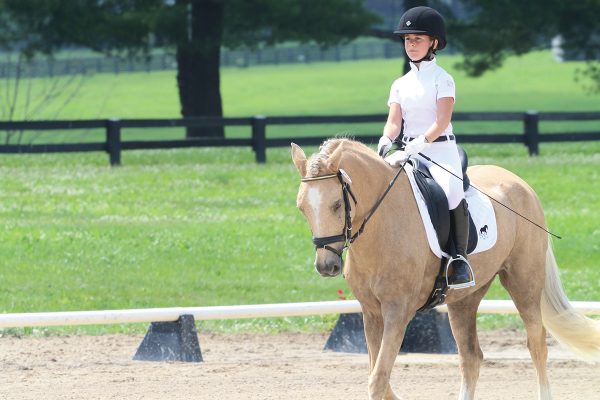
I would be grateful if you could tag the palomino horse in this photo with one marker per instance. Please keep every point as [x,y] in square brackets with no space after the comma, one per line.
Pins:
[391,270]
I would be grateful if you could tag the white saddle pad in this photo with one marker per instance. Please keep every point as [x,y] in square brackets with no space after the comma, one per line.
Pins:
[480,207]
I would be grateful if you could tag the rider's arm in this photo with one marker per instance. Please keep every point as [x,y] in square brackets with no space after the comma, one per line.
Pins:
[445,106]
[394,122]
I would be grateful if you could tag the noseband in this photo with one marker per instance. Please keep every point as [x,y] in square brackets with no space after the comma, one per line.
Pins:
[346,235]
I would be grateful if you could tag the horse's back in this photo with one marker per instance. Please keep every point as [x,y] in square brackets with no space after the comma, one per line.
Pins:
[499,180]
[505,187]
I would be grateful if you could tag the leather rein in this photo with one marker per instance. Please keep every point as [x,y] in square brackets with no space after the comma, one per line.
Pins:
[346,236]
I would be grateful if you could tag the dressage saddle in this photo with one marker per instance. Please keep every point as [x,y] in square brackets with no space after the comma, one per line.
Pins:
[437,206]
[437,203]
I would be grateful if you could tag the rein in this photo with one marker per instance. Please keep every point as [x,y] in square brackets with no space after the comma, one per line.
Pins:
[346,236]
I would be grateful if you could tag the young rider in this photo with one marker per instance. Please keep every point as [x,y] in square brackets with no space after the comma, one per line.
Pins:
[423,100]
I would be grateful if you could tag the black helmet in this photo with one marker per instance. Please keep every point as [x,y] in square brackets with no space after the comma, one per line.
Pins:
[423,20]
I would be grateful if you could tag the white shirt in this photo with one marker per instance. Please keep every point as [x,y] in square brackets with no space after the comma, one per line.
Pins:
[417,93]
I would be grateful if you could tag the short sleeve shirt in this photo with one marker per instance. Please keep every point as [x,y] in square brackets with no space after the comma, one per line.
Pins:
[417,93]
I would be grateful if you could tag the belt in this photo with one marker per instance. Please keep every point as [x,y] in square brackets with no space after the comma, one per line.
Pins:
[444,138]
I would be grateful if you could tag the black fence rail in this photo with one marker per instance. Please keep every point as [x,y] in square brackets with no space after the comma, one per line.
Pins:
[259,141]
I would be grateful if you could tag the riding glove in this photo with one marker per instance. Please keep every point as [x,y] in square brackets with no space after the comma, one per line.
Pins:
[416,145]
[396,159]
[384,146]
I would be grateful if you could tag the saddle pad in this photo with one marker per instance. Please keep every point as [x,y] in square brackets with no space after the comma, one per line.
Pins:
[480,207]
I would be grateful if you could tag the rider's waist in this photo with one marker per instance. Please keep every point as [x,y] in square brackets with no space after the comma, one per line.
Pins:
[443,138]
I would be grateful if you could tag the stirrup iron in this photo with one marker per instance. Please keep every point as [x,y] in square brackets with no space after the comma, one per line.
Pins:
[471,273]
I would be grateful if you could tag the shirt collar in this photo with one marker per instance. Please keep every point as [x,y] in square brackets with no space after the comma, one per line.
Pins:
[423,65]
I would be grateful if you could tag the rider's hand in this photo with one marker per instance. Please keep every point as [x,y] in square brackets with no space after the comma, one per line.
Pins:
[416,145]
[397,159]
[384,146]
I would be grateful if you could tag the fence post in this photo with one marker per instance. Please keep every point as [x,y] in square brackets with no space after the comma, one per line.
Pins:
[532,132]
[113,141]
[259,139]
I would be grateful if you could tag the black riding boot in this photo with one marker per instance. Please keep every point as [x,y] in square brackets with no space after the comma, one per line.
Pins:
[459,272]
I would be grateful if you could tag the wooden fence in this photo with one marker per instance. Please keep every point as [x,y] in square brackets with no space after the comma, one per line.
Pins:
[259,141]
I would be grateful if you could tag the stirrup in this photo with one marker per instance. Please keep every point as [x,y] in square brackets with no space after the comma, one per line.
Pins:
[471,273]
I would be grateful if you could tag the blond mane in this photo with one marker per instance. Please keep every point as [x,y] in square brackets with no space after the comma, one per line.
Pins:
[317,163]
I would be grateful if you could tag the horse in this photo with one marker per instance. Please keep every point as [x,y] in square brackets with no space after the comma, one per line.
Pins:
[391,270]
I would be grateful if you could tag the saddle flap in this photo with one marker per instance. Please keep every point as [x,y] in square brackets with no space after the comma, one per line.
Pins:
[436,201]
[437,207]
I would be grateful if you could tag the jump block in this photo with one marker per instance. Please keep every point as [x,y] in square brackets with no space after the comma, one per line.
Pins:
[428,332]
[171,341]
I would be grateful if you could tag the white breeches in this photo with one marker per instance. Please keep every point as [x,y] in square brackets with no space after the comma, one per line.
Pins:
[446,154]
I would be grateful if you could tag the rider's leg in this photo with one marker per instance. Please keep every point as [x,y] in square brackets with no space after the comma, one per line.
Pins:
[459,272]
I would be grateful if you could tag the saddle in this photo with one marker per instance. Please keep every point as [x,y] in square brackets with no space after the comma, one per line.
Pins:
[437,206]
[437,203]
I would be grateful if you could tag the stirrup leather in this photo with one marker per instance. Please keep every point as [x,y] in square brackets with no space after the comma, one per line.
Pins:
[471,273]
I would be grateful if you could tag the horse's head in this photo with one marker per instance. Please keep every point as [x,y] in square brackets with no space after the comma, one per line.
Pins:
[326,199]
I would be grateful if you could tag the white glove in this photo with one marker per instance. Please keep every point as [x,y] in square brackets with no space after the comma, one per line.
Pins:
[384,146]
[416,145]
[397,159]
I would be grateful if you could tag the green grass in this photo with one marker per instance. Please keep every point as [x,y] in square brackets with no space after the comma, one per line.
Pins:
[211,227]
[170,228]
[532,82]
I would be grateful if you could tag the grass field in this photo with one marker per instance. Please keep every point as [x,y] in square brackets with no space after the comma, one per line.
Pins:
[532,82]
[211,227]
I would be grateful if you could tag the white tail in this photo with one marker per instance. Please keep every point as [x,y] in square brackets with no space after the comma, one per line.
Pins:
[572,329]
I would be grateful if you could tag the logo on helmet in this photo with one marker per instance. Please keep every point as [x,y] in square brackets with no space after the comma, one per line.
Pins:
[408,23]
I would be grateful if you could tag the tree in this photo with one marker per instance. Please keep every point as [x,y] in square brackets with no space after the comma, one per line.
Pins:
[24,97]
[486,32]
[495,29]
[195,29]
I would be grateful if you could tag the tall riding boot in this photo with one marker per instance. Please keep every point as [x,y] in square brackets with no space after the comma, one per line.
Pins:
[458,272]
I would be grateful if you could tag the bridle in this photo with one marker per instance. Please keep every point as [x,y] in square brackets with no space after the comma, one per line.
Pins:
[346,236]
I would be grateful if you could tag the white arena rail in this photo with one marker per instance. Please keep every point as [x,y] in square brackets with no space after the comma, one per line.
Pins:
[102,317]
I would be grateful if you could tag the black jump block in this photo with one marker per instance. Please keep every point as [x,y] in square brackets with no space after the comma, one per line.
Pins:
[428,332]
[171,341]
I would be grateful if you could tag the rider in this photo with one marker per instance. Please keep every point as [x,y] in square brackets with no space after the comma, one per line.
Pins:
[424,99]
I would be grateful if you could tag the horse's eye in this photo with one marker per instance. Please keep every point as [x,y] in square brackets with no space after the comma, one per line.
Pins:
[336,206]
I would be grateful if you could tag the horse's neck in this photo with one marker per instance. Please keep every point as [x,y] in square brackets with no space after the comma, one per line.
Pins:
[396,205]
[393,243]
[371,177]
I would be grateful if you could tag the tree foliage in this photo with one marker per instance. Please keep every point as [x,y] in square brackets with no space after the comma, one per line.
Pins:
[495,29]
[195,29]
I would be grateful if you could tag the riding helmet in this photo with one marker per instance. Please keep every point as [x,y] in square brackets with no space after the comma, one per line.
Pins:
[423,20]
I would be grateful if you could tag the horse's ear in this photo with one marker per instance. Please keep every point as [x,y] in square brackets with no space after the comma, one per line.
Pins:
[333,162]
[299,159]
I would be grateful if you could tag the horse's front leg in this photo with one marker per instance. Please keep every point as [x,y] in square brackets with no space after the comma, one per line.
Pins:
[373,322]
[395,319]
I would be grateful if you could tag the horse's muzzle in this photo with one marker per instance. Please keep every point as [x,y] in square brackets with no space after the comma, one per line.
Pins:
[330,267]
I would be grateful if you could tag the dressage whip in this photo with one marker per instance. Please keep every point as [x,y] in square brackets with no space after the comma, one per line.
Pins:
[490,197]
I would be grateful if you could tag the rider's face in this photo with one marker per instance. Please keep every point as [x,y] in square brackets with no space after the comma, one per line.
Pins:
[416,45]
